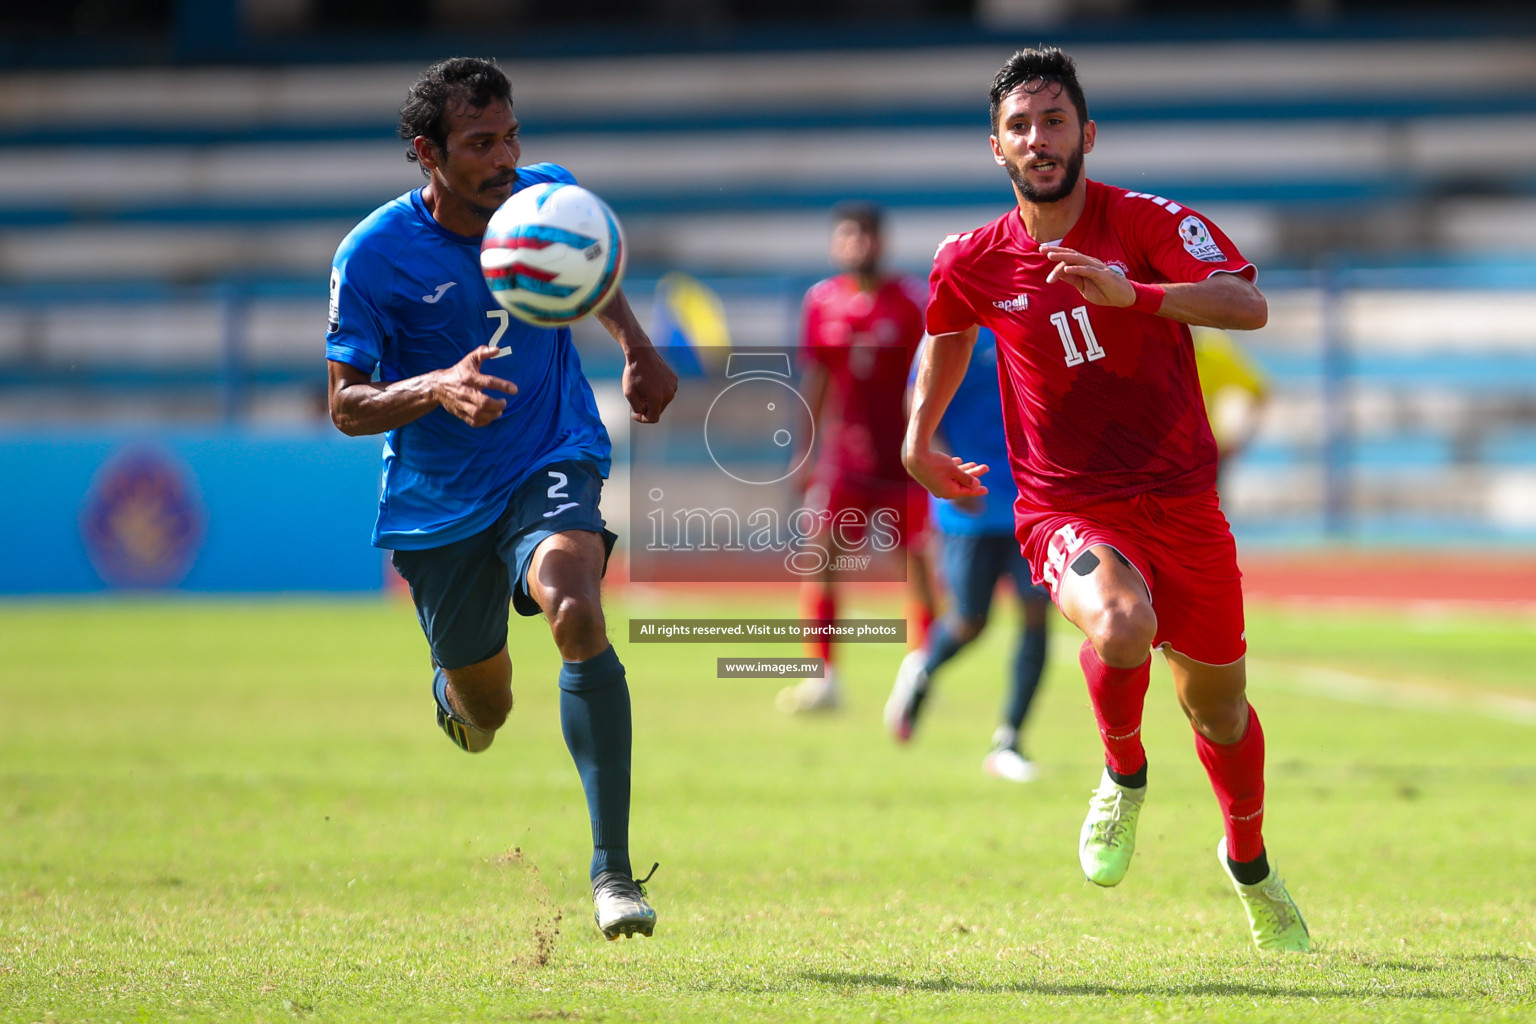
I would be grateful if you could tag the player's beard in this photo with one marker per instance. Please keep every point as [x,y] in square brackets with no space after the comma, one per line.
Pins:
[1072,169]
[485,186]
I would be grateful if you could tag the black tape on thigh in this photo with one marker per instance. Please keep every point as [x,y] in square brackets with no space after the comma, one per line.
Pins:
[1085,563]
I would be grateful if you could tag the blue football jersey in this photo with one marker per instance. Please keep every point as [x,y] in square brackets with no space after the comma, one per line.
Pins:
[407,297]
[973,429]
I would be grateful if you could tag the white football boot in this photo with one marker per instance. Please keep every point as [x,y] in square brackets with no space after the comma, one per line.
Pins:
[619,905]
[811,695]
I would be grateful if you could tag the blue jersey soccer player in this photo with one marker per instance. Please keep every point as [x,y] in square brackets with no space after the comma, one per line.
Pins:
[977,549]
[492,471]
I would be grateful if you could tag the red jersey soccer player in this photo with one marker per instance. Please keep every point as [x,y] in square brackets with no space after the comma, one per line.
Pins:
[1090,290]
[860,330]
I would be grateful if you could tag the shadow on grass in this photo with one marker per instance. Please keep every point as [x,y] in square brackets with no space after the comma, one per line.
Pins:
[1172,989]
[1496,958]
[1438,961]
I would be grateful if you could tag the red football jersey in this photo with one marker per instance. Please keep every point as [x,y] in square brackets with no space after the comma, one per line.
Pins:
[865,342]
[1099,402]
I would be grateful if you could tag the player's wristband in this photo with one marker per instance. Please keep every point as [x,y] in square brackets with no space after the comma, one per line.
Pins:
[1149,297]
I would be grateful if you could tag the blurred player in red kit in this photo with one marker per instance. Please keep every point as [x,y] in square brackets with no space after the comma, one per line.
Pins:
[859,332]
[1090,290]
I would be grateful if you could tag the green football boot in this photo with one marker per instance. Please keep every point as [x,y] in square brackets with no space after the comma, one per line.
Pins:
[1276,924]
[1108,839]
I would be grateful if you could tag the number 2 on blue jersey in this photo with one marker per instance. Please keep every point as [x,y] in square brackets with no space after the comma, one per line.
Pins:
[502,318]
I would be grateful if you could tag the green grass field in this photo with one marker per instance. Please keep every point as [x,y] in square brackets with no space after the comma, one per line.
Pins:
[214,810]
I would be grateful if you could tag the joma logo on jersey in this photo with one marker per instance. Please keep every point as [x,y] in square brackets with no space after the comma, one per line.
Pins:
[1018,304]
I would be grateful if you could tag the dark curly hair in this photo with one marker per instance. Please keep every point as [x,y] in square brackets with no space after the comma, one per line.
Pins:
[868,216]
[471,81]
[1034,70]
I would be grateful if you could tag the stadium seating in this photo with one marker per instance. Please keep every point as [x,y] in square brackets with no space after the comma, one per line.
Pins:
[173,227]
[727,163]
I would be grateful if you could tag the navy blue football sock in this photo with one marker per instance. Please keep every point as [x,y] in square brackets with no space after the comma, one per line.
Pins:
[942,645]
[594,716]
[1028,663]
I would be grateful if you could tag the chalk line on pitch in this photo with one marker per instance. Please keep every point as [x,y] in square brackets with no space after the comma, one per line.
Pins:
[1362,689]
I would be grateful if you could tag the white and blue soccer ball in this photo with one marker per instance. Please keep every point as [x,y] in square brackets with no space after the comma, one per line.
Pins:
[552,254]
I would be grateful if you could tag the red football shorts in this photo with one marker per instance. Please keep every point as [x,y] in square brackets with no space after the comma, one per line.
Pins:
[1182,547]
[849,501]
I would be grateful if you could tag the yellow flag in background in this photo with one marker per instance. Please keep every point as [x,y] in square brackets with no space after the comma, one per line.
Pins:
[689,322]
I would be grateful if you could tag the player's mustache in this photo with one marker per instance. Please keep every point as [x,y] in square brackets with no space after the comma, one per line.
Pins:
[498,181]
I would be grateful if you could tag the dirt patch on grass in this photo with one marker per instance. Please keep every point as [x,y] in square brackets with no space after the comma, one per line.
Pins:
[544,922]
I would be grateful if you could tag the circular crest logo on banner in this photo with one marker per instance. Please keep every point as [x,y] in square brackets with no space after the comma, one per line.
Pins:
[142,520]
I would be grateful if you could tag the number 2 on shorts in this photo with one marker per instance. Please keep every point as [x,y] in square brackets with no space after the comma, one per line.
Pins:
[557,491]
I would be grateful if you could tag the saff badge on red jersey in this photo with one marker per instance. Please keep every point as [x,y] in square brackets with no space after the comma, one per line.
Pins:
[1198,241]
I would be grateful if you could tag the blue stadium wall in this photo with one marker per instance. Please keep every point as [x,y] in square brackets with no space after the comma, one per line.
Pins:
[209,511]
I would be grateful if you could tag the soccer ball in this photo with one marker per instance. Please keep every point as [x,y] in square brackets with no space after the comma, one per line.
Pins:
[552,254]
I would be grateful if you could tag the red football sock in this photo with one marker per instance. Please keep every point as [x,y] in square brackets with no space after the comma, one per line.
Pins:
[1237,775]
[1118,695]
[820,606]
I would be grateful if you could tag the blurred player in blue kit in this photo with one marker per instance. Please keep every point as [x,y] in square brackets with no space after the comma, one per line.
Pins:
[492,471]
[977,549]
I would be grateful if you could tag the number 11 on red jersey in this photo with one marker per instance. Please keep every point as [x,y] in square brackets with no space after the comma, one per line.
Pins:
[1063,328]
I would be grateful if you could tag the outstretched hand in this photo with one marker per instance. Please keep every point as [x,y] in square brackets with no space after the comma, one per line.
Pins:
[461,389]
[1098,283]
[649,384]
[946,476]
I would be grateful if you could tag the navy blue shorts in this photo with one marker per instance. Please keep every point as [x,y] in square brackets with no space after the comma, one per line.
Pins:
[972,566]
[461,590]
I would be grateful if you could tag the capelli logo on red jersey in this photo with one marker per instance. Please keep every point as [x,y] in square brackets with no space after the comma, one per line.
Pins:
[1018,304]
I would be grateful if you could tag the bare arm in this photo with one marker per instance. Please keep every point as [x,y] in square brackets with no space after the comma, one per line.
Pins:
[813,386]
[1224,300]
[649,383]
[1229,301]
[970,502]
[813,389]
[939,374]
[360,405]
